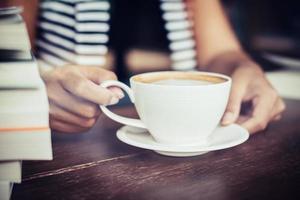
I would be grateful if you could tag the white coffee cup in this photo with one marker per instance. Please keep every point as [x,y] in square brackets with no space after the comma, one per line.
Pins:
[177,108]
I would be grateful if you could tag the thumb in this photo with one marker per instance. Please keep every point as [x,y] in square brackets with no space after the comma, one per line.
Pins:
[234,105]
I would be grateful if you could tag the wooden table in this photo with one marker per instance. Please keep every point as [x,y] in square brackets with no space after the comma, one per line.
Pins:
[95,165]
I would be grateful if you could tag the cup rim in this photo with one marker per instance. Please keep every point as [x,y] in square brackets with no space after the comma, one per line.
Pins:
[214,74]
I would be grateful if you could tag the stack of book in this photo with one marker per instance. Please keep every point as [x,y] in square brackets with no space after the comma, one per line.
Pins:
[24,121]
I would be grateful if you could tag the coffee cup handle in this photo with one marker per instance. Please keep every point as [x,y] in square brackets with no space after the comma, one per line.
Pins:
[123,120]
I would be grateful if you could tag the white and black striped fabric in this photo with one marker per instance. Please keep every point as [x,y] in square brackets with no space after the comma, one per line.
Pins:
[180,34]
[73,31]
[76,32]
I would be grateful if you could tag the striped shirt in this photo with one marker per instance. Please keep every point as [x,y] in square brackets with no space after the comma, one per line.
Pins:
[76,32]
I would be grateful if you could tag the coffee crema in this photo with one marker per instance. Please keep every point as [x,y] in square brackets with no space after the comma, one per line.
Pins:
[178,78]
[181,82]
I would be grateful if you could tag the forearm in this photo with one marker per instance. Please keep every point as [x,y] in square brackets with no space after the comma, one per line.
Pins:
[218,49]
[213,33]
[228,62]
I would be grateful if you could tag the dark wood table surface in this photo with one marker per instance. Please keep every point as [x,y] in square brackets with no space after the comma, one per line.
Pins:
[95,165]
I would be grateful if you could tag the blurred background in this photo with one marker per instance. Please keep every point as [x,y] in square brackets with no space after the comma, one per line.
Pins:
[268,29]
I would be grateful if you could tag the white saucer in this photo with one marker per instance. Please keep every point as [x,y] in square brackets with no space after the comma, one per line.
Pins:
[221,138]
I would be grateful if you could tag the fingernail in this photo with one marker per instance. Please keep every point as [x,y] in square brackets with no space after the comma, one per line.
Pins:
[228,118]
[117,91]
[113,100]
[120,94]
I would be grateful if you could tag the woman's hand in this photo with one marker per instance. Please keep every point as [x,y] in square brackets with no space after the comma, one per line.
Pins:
[250,85]
[74,96]
[253,102]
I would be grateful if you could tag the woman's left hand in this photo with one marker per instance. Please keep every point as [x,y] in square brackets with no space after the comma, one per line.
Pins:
[250,87]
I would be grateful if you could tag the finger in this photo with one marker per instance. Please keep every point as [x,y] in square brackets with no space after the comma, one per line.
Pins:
[278,110]
[65,127]
[97,75]
[277,118]
[241,119]
[261,113]
[72,103]
[234,103]
[88,90]
[279,107]
[58,113]
[117,91]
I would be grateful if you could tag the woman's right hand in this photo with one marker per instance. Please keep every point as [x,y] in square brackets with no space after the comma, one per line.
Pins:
[74,96]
